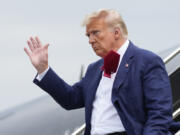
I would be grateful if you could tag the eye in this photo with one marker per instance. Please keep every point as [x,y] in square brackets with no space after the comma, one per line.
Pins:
[87,34]
[96,32]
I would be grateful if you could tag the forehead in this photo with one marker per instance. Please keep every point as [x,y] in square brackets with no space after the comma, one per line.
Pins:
[96,24]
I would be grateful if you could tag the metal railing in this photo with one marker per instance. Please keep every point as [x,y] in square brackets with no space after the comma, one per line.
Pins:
[80,130]
[172,55]
[176,113]
[166,60]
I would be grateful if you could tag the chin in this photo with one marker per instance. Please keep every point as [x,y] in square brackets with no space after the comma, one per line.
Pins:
[100,55]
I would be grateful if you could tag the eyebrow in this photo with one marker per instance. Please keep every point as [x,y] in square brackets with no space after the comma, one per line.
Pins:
[87,34]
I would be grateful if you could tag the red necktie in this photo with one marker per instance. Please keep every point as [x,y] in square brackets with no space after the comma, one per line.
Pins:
[111,61]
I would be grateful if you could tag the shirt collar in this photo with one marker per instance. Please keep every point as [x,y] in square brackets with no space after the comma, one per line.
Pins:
[123,48]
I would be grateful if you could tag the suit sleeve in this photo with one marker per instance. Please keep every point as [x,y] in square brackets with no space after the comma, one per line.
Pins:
[158,99]
[69,97]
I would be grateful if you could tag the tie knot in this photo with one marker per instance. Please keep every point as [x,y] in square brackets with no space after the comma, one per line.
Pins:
[111,61]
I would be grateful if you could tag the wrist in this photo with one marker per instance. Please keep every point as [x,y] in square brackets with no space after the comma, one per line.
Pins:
[42,69]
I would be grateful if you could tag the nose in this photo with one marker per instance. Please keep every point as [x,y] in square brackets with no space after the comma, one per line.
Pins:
[91,39]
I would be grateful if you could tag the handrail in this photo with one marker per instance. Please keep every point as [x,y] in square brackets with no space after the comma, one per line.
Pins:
[166,60]
[172,55]
[80,130]
[176,113]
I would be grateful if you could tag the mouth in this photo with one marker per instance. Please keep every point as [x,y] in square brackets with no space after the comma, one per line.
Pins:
[95,49]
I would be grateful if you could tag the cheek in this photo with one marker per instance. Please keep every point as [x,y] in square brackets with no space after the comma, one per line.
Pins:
[101,41]
[107,45]
[100,37]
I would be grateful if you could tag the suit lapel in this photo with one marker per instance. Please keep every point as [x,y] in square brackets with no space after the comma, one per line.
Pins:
[124,66]
[95,81]
[92,90]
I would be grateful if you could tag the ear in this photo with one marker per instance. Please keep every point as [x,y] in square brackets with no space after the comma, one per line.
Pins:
[117,33]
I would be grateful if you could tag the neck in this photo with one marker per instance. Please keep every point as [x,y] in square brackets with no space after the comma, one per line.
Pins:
[118,44]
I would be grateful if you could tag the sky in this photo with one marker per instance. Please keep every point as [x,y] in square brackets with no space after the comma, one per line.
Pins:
[152,25]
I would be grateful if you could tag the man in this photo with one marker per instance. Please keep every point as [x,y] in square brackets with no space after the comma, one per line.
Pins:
[133,99]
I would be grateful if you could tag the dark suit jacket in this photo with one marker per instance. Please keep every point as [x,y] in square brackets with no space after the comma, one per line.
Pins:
[141,92]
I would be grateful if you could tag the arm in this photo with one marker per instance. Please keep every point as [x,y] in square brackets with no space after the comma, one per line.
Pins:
[158,99]
[70,97]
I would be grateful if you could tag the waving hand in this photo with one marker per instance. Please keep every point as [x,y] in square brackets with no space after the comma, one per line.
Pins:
[38,54]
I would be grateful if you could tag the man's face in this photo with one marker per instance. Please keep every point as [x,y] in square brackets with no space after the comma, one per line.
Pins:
[100,37]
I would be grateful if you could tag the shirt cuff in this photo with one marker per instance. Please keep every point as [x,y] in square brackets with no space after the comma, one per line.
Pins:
[41,76]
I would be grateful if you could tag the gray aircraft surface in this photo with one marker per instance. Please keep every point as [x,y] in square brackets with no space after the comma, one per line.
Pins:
[43,116]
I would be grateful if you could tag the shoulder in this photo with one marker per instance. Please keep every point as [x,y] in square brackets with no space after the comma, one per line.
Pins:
[145,60]
[145,56]
[95,65]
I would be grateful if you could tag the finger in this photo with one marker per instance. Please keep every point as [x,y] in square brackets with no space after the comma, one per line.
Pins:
[39,44]
[46,46]
[30,46]
[33,42]
[27,51]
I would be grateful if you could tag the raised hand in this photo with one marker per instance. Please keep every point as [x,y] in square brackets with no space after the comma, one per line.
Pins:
[38,54]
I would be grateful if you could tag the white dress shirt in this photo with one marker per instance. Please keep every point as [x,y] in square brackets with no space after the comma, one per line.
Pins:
[40,76]
[105,118]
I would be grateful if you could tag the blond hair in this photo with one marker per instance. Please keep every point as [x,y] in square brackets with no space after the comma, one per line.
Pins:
[112,18]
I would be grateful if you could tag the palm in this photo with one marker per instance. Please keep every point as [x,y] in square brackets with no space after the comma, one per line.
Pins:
[38,54]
